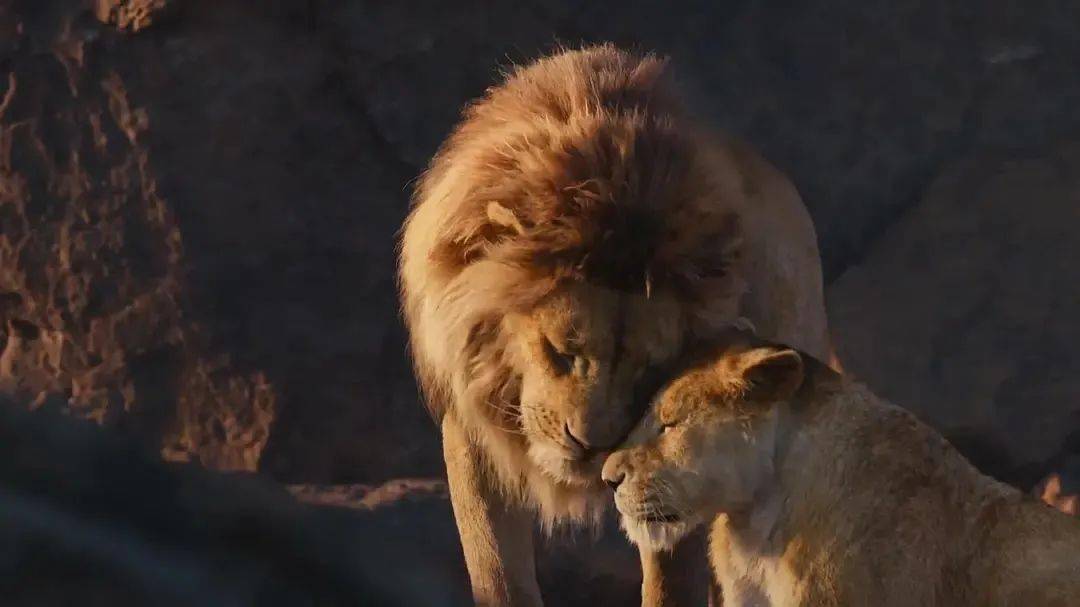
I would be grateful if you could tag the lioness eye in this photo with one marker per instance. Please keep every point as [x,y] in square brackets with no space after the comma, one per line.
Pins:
[667,426]
[561,361]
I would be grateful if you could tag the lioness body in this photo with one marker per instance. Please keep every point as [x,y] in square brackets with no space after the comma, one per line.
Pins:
[830,496]
[571,236]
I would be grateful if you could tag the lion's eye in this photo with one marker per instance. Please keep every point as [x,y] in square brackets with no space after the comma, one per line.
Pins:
[668,426]
[562,362]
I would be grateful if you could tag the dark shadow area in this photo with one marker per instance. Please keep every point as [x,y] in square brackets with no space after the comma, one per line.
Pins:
[86,518]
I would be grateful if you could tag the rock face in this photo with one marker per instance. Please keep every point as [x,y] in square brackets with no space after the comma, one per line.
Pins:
[178,271]
[89,519]
[133,15]
[198,207]
[199,198]
[965,311]
[92,279]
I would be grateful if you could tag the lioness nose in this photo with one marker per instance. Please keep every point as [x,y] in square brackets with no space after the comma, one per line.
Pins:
[613,473]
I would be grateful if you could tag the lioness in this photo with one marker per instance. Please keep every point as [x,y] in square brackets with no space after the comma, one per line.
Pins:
[572,235]
[820,493]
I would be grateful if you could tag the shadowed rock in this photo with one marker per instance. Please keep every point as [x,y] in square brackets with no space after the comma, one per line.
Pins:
[88,519]
[965,311]
[199,214]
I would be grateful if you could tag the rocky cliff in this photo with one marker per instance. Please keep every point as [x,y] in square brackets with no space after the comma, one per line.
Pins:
[199,200]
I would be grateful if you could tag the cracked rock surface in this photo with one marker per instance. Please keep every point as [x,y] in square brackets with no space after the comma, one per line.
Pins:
[198,198]
[133,15]
[198,207]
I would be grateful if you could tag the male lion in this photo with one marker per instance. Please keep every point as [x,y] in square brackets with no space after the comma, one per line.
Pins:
[821,494]
[574,232]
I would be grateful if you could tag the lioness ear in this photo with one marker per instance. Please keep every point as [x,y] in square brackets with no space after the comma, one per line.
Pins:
[504,217]
[772,374]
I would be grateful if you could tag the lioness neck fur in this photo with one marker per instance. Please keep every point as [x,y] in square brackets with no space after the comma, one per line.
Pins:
[820,493]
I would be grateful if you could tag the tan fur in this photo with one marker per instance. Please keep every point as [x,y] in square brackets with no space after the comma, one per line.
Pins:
[571,236]
[821,494]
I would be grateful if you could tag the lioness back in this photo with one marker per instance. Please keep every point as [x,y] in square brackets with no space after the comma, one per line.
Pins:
[820,493]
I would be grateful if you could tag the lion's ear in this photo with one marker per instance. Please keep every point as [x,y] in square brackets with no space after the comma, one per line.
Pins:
[771,374]
[504,217]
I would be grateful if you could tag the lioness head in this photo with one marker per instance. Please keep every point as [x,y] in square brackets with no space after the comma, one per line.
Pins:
[706,445]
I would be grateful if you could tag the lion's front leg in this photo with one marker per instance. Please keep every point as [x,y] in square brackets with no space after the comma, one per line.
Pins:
[495,537]
[680,578]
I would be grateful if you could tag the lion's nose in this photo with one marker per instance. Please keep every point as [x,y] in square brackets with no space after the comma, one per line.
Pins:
[589,439]
[579,443]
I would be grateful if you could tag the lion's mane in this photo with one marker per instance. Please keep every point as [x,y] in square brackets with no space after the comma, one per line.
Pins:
[579,167]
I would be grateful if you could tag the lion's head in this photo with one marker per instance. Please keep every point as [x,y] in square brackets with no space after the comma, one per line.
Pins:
[569,238]
[708,442]
[584,355]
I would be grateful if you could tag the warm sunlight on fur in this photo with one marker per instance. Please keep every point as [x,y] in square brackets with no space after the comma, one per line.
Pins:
[690,458]
[821,494]
[572,234]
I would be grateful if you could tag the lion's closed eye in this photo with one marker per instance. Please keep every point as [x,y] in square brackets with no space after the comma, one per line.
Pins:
[561,362]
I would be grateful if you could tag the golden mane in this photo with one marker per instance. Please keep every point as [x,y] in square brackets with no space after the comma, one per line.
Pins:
[577,216]
[591,153]
[579,167]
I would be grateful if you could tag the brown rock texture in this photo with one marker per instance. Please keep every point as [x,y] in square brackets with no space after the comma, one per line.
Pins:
[965,311]
[92,275]
[198,207]
[199,198]
[133,15]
